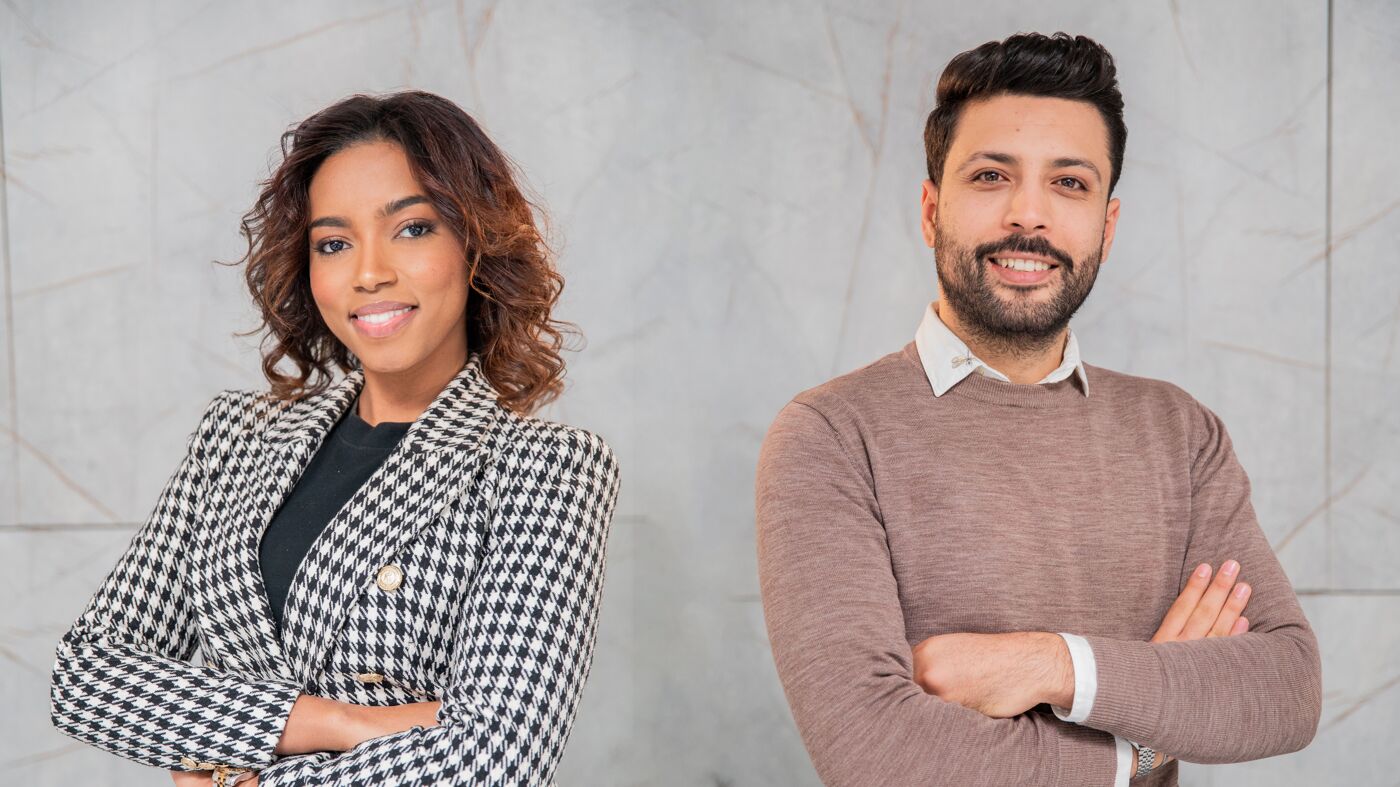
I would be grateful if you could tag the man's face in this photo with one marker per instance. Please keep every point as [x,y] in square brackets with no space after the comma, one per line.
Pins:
[1021,220]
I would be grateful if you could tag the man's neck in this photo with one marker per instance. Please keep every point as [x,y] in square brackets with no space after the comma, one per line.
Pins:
[1024,365]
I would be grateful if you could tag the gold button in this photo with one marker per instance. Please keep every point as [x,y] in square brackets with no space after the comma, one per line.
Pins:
[389,578]
[188,762]
[370,677]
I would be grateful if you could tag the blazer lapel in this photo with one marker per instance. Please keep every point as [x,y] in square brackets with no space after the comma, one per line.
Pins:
[405,493]
[288,442]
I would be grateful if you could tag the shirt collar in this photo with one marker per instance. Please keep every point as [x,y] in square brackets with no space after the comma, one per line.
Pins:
[948,361]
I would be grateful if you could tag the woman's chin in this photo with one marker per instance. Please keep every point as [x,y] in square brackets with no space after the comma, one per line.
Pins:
[386,363]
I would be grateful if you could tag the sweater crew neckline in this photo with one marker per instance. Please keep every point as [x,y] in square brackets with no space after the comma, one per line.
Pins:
[358,433]
[978,387]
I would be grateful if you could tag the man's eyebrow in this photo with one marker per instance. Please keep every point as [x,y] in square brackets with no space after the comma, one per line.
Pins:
[1000,158]
[388,209]
[1076,162]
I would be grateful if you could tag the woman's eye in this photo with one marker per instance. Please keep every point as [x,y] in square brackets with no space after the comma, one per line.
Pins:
[418,229]
[325,246]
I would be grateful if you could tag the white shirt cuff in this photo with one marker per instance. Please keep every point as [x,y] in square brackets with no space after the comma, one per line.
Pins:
[1086,679]
[1127,764]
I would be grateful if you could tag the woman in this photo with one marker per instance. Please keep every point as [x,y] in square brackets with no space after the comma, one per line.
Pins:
[392,578]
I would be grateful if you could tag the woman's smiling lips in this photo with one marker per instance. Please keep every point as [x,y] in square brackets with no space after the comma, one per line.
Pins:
[382,318]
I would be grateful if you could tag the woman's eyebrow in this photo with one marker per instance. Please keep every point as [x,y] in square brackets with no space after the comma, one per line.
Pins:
[389,209]
[401,203]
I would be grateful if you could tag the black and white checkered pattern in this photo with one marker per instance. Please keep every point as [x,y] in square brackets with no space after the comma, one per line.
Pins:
[499,524]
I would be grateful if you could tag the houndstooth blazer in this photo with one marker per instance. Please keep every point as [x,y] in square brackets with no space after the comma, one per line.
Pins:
[496,524]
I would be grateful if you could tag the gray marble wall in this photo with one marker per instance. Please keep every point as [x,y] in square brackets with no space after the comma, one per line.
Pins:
[733,188]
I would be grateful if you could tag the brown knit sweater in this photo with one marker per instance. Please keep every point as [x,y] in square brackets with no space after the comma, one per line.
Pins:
[886,516]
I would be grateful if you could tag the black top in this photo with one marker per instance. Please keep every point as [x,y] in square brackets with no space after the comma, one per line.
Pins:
[346,459]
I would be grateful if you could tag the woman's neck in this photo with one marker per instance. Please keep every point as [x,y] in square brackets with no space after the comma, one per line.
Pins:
[402,396]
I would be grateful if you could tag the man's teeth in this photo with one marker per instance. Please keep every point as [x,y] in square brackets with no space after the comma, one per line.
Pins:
[382,317]
[1021,265]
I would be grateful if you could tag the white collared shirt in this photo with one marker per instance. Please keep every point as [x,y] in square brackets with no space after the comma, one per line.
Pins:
[947,361]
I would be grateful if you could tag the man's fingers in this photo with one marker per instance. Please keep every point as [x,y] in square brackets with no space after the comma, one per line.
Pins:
[1180,610]
[1208,608]
[1234,605]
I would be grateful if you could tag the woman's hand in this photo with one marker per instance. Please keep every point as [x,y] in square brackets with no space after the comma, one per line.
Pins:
[206,779]
[369,722]
[320,724]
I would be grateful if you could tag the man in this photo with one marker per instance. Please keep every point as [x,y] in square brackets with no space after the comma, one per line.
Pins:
[984,561]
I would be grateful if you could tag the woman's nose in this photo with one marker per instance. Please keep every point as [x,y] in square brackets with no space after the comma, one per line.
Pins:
[373,267]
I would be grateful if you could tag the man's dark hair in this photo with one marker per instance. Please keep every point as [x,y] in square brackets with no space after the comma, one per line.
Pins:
[1028,64]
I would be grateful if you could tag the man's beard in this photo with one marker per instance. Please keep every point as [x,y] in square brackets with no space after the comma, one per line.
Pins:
[1020,327]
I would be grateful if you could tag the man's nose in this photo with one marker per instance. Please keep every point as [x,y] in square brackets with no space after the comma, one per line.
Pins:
[1028,211]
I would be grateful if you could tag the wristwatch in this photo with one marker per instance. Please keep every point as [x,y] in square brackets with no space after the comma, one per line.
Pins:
[1145,756]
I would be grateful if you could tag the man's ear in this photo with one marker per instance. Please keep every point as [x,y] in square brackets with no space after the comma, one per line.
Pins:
[928,211]
[1110,225]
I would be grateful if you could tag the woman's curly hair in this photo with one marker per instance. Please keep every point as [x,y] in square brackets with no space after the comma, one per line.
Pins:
[472,184]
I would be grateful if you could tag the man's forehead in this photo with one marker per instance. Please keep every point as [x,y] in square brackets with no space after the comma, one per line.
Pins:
[1032,129]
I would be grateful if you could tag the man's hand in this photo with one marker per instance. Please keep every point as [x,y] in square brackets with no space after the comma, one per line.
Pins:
[1205,608]
[1002,675]
[997,675]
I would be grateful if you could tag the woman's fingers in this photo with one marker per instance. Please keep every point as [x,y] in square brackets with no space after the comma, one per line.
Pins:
[1234,605]
[1212,601]
[1175,619]
[1240,627]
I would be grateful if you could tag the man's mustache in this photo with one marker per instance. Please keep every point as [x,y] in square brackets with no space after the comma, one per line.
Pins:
[1026,244]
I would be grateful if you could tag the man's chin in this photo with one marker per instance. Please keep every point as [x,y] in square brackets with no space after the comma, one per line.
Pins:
[1023,299]
[1012,319]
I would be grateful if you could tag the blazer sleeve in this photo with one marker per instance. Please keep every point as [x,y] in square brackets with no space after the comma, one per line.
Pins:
[1222,699]
[121,681]
[831,605]
[526,639]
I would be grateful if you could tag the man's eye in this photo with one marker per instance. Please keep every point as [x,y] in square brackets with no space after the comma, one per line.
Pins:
[1071,183]
[980,176]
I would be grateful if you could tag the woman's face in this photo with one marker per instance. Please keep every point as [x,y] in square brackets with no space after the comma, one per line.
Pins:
[388,276]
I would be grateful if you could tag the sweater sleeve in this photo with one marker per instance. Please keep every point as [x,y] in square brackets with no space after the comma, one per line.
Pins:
[121,681]
[1222,699]
[525,642]
[837,631]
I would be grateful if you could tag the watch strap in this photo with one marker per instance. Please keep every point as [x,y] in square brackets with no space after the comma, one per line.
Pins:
[1145,757]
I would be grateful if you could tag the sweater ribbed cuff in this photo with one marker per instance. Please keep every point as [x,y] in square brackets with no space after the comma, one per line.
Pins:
[1129,697]
[1086,756]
